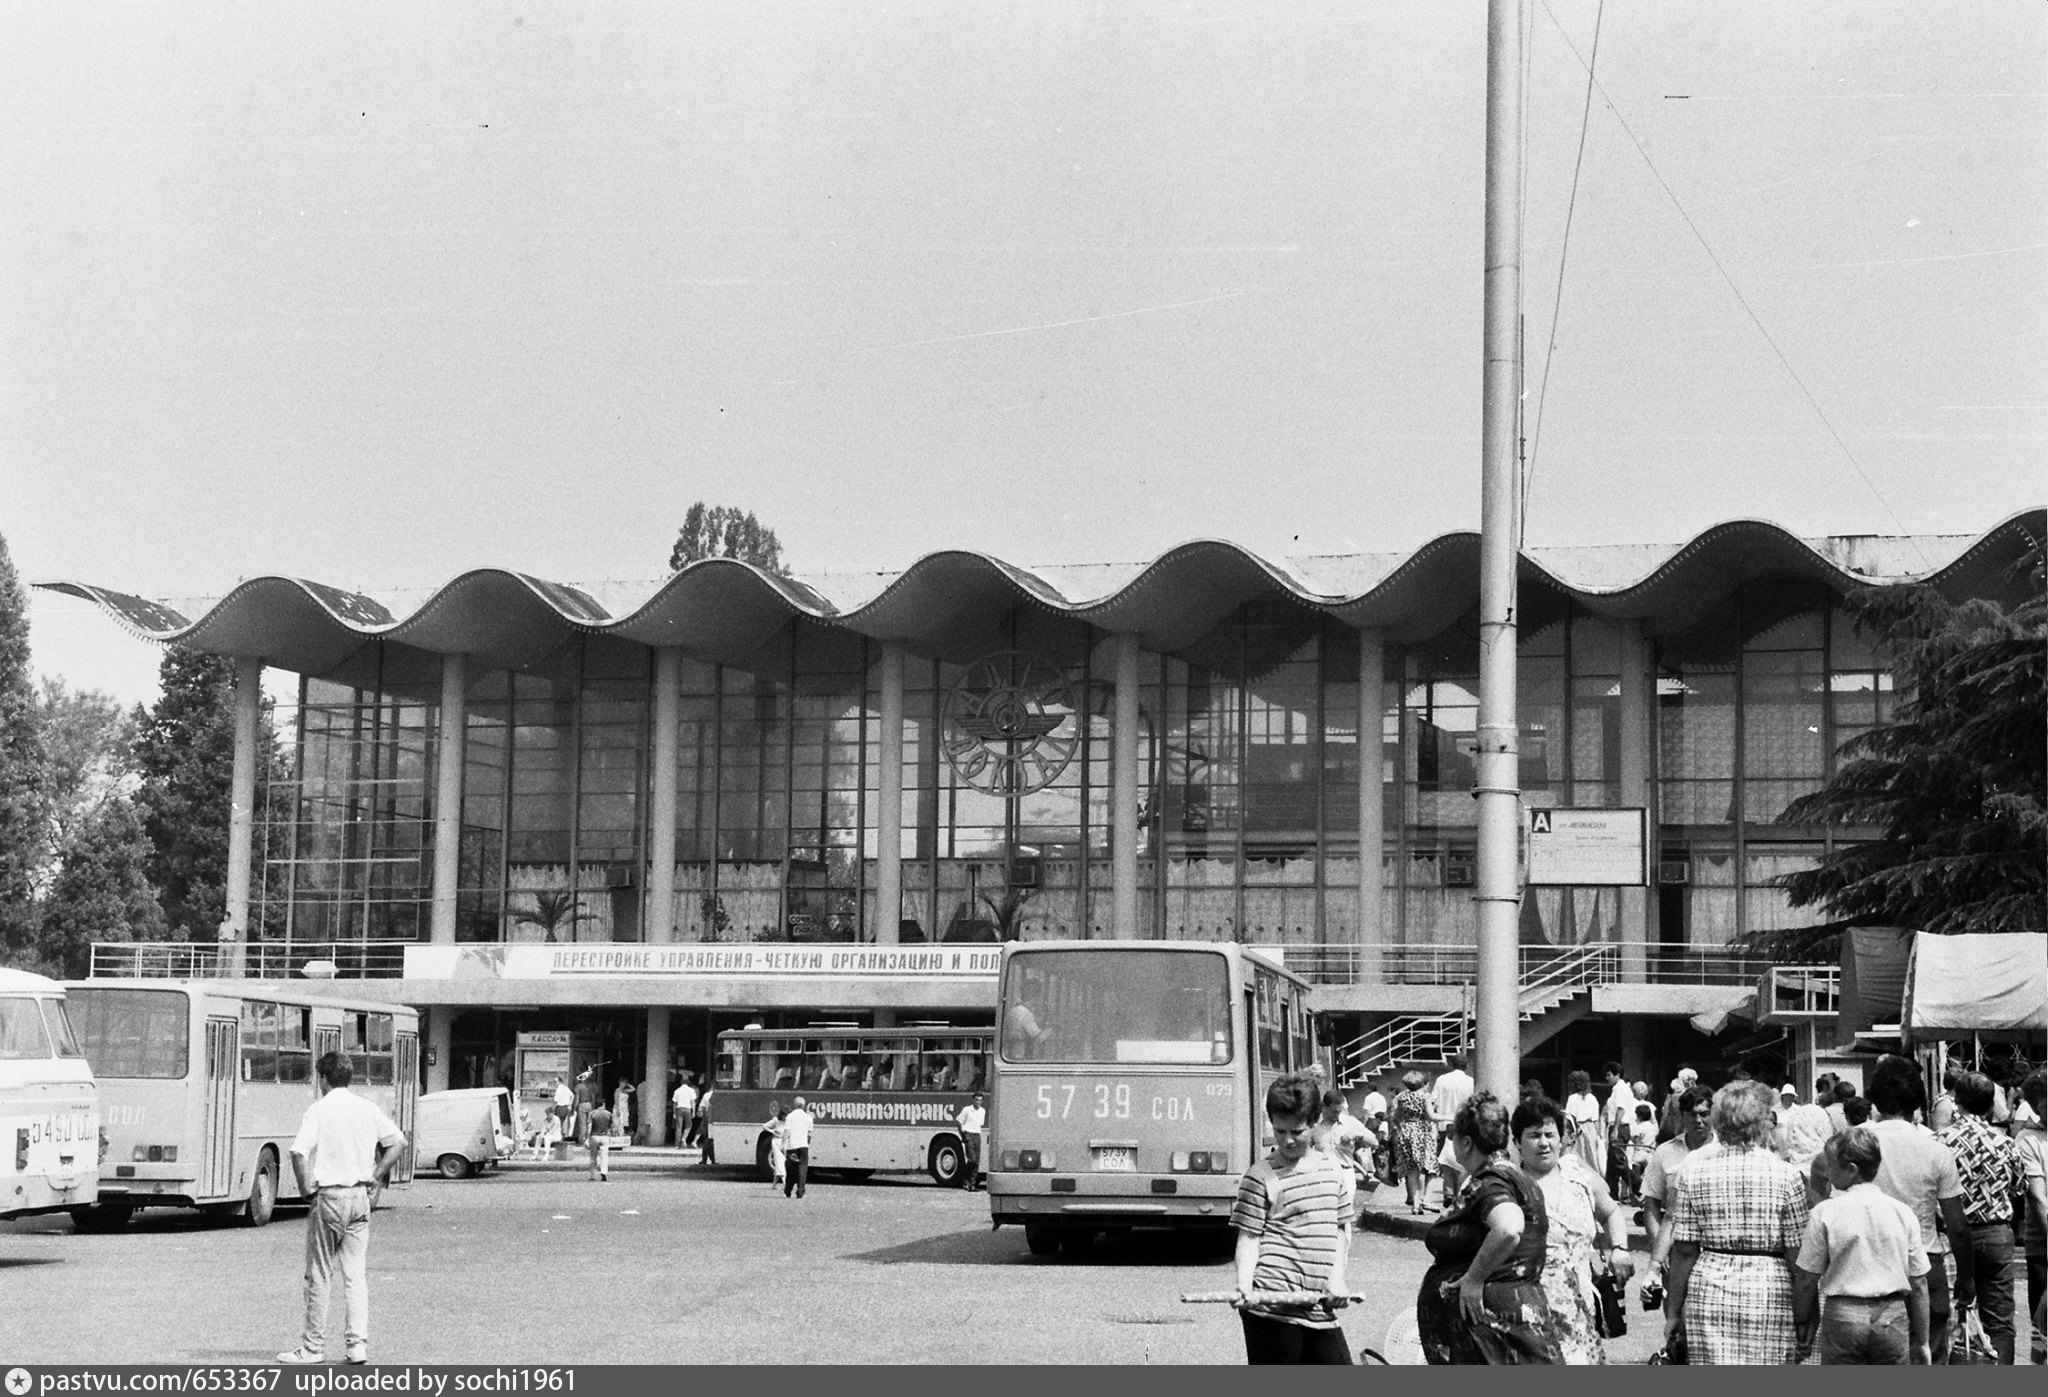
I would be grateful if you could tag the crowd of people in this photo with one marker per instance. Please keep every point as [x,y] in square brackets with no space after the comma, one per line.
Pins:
[1884,1224]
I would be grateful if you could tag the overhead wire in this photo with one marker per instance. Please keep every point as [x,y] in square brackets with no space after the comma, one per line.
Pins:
[1593,81]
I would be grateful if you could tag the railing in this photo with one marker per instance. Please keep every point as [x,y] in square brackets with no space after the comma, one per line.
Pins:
[260,960]
[1600,962]
[1814,990]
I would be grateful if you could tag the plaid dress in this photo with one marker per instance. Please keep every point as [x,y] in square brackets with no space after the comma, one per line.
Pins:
[1744,1208]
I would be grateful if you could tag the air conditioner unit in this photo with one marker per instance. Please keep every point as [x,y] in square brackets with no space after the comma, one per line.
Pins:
[1460,873]
[1024,873]
[1674,871]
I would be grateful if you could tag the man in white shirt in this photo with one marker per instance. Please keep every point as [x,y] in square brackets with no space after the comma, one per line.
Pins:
[1447,1097]
[973,1119]
[684,1100]
[345,1148]
[796,1149]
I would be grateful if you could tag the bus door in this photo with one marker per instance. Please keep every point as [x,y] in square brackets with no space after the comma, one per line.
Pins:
[326,1039]
[406,1087]
[223,1057]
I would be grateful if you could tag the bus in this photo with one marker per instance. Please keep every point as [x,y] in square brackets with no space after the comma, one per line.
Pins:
[1130,1082]
[49,1107]
[885,1099]
[203,1084]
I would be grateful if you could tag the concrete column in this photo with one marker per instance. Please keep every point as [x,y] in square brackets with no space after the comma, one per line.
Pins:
[661,801]
[440,1044]
[1635,1050]
[1638,738]
[889,801]
[652,1101]
[234,929]
[1372,833]
[1123,795]
[448,799]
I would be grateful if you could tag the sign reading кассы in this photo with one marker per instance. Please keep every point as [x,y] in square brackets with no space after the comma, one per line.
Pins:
[611,961]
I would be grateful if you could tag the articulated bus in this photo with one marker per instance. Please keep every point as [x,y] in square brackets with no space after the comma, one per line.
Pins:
[203,1085]
[49,1108]
[884,1099]
[1130,1082]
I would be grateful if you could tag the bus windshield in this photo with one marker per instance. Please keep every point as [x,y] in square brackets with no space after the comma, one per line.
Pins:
[21,1030]
[132,1033]
[1128,1007]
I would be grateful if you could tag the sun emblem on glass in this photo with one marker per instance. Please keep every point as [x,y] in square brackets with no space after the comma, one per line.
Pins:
[1011,724]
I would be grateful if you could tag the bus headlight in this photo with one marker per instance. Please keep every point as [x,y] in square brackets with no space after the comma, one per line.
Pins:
[156,1154]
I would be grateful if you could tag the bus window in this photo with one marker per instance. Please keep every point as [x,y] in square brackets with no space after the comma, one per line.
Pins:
[294,1043]
[259,1041]
[59,1024]
[133,1033]
[1134,1007]
[775,1063]
[841,1065]
[379,1051]
[22,1034]
[732,1063]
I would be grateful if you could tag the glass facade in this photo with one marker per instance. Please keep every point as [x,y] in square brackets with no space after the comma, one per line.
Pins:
[1249,764]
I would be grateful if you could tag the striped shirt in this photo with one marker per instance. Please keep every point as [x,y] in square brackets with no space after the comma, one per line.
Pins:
[1299,1219]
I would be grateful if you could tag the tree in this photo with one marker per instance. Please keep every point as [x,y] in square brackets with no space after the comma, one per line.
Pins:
[185,752]
[24,775]
[88,740]
[1954,784]
[102,892]
[721,531]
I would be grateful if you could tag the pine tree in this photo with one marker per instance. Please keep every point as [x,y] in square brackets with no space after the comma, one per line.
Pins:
[102,891]
[89,742]
[24,774]
[185,752]
[721,531]
[1954,784]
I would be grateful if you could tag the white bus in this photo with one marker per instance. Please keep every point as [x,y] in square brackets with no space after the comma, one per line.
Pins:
[49,1109]
[203,1085]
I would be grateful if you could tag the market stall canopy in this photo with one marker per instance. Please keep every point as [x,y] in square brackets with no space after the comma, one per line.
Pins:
[1874,960]
[1981,983]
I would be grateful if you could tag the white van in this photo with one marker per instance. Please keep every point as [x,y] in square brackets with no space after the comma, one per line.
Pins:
[458,1133]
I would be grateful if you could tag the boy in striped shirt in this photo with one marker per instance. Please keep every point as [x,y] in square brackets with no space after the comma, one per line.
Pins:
[1293,1221]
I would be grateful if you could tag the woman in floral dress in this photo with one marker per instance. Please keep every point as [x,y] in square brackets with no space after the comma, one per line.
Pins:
[1414,1139]
[1582,1213]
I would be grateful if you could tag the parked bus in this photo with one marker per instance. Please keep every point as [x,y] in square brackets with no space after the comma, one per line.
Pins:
[1130,1082]
[884,1099]
[49,1108]
[203,1085]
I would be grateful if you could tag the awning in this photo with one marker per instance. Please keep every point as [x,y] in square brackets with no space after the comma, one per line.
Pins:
[1873,978]
[1979,983]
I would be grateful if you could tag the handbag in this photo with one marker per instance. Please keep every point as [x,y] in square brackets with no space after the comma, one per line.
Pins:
[1611,1316]
[1674,1350]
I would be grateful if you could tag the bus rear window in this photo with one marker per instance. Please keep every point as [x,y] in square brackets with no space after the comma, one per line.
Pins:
[21,1030]
[133,1033]
[1122,1007]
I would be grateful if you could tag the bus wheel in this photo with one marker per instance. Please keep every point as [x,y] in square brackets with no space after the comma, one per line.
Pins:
[101,1217]
[1075,1241]
[761,1164]
[263,1193]
[945,1162]
[1043,1240]
[454,1166]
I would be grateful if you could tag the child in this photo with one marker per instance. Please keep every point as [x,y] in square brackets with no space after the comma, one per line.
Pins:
[777,1160]
[599,1138]
[1642,1143]
[1862,1270]
[1293,1221]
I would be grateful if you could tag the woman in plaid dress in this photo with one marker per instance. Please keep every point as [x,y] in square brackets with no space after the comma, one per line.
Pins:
[1737,1224]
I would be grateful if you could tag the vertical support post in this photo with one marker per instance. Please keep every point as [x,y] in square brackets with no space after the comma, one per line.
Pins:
[234,929]
[1123,794]
[440,1044]
[1497,786]
[661,802]
[889,802]
[1638,734]
[1372,810]
[652,1100]
[448,806]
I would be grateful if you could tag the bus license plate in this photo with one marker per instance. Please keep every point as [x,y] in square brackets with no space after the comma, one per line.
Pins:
[1116,1160]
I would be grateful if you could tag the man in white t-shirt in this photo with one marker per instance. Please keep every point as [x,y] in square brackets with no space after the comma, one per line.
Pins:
[684,1100]
[973,1119]
[796,1149]
[345,1149]
[1447,1097]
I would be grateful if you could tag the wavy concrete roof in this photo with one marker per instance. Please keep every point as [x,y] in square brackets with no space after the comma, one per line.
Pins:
[725,611]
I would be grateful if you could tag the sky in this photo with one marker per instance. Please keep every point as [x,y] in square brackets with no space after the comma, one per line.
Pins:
[377,293]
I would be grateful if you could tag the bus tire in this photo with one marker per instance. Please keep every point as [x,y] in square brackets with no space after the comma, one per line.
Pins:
[262,1202]
[945,1161]
[1042,1239]
[453,1166]
[1075,1241]
[762,1149]
[101,1217]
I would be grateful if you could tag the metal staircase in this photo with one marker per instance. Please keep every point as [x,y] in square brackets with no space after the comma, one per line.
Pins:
[1556,990]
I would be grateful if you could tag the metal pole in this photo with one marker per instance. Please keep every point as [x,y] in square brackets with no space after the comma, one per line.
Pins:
[1123,796]
[448,773]
[234,930]
[1498,785]
[887,930]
